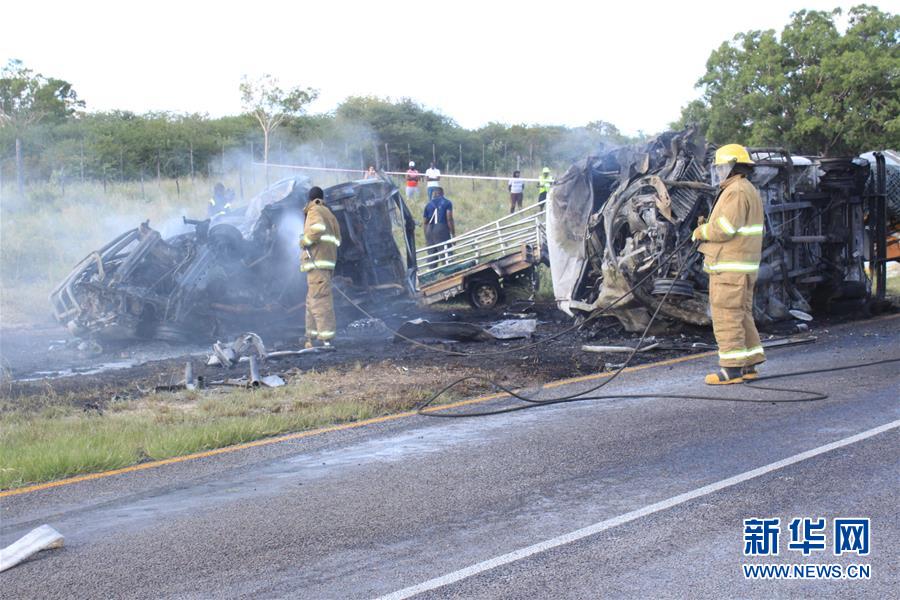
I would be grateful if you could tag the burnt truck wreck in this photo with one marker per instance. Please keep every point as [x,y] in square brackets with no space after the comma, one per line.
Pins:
[613,219]
[237,271]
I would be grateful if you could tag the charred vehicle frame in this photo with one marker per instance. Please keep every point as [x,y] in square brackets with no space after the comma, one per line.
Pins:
[611,219]
[236,271]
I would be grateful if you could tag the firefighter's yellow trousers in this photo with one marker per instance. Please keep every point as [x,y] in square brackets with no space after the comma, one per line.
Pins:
[731,305]
[320,322]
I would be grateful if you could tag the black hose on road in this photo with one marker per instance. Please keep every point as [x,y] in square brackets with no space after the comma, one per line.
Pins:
[804,395]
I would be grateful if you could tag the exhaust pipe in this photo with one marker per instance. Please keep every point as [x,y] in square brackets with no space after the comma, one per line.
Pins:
[255,381]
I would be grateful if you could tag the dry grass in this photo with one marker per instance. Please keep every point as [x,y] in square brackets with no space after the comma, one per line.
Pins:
[61,440]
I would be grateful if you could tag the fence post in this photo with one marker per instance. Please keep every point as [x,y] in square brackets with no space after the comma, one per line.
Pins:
[252,169]
[20,173]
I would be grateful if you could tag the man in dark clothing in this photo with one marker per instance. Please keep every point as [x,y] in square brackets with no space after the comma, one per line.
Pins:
[438,223]
[220,203]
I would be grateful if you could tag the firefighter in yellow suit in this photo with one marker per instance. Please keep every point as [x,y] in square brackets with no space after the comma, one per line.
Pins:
[731,242]
[321,238]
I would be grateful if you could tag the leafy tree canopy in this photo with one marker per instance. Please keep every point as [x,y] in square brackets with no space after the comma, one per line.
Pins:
[812,89]
[27,97]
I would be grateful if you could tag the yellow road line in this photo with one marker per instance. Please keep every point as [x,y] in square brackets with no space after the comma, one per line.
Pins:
[303,434]
[320,431]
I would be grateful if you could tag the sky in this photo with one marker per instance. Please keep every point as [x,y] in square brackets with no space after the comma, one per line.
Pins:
[633,64]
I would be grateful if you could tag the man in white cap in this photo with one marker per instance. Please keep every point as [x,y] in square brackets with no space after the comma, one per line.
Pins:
[412,182]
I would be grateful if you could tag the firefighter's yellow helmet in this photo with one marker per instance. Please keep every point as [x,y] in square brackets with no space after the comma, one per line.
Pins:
[731,154]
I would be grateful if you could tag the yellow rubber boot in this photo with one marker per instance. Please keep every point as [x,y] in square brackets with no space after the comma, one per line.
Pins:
[725,376]
[749,373]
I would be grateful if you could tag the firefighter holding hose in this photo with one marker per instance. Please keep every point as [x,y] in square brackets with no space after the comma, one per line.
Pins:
[731,242]
[321,239]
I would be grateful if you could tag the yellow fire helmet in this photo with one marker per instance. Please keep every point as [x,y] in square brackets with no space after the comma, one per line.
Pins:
[731,154]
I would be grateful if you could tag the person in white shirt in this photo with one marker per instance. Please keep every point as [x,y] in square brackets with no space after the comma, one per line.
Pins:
[433,179]
[516,192]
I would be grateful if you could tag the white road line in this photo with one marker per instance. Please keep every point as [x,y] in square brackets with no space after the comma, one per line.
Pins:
[567,538]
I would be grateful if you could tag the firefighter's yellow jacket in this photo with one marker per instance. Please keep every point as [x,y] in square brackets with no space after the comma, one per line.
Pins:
[321,238]
[732,238]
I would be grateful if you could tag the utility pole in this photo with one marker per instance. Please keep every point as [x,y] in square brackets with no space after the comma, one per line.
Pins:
[192,159]
[387,157]
[82,160]
[460,159]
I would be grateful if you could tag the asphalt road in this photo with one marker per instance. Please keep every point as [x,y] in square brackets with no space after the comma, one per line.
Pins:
[629,498]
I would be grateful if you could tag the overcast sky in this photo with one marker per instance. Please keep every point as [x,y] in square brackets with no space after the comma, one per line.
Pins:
[550,62]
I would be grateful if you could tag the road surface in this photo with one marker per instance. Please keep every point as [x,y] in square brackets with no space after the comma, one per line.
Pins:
[629,498]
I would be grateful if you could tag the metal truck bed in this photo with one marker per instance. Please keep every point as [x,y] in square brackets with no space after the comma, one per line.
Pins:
[478,263]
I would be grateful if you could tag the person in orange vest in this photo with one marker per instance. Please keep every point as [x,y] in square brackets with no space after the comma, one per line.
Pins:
[412,182]
[321,239]
[731,242]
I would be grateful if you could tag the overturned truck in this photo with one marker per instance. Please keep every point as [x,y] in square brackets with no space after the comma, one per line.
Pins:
[236,271]
[614,220]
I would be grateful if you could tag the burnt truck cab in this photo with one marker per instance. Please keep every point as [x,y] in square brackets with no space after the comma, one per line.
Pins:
[619,228]
[236,271]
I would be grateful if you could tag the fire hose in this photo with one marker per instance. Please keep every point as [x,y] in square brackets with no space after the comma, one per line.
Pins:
[581,396]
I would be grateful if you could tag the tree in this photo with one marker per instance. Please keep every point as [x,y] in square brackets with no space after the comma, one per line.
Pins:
[27,98]
[271,105]
[814,89]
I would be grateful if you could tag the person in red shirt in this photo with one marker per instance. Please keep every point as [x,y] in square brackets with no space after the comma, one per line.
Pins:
[412,182]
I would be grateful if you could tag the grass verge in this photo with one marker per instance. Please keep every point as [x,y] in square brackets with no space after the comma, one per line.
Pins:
[61,440]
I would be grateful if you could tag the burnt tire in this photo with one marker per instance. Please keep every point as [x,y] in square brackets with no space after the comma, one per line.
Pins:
[485,293]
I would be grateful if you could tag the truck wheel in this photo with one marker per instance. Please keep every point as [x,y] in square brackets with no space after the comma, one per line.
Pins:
[485,293]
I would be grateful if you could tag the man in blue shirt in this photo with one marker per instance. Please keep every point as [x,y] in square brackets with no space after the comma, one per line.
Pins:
[438,223]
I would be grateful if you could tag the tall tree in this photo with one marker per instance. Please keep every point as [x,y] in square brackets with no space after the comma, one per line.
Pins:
[27,98]
[813,89]
[265,99]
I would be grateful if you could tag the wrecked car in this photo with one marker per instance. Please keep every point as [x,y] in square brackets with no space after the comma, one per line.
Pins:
[236,271]
[613,219]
